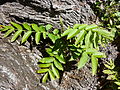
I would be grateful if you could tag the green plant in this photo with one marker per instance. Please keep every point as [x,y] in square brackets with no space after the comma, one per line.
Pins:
[82,42]
[28,30]
[112,73]
[109,14]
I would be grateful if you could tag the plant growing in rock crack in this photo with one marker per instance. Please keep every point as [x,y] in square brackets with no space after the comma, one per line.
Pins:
[113,73]
[81,42]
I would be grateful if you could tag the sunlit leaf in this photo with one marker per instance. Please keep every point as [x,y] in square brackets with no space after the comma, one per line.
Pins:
[66,32]
[44,35]
[83,60]
[73,33]
[60,59]
[91,51]
[90,27]
[26,26]
[87,39]
[8,32]
[53,37]
[80,37]
[55,31]
[37,37]
[48,27]
[99,55]
[42,28]
[16,35]
[35,27]
[26,36]
[76,26]
[52,76]
[56,72]
[45,77]
[118,83]
[94,65]
[47,60]
[95,40]
[58,65]
[45,65]
[108,72]
[19,27]
[42,70]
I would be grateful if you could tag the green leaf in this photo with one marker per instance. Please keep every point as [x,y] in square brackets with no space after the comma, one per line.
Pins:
[48,27]
[108,72]
[66,32]
[111,77]
[82,26]
[83,60]
[55,31]
[8,32]
[94,65]
[44,35]
[109,66]
[118,83]
[16,35]
[37,37]
[95,40]
[53,37]
[7,28]
[80,37]
[87,39]
[45,77]
[26,36]
[35,27]
[17,26]
[73,33]
[52,76]
[90,27]
[99,55]
[26,26]
[76,26]
[49,51]
[61,59]
[91,51]
[42,70]
[105,34]
[47,60]
[45,65]
[42,28]
[56,72]
[58,65]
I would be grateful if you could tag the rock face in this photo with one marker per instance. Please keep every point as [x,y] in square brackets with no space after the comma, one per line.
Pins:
[18,63]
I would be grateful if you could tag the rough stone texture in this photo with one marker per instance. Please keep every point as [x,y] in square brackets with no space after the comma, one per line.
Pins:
[18,64]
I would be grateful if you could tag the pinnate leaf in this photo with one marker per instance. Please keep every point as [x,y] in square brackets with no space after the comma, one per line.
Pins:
[26,36]
[94,65]
[83,60]
[42,70]
[26,26]
[16,35]
[48,27]
[8,32]
[56,72]
[45,77]
[58,65]
[35,27]
[45,65]
[52,76]
[19,27]
[47,60]
[37,37]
